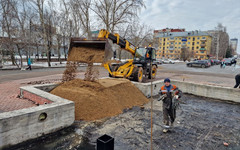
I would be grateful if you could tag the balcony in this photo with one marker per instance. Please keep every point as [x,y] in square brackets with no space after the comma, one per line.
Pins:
[171,48]
[184,43]
[202,49]
[171,39]
[203,39]
[203,44]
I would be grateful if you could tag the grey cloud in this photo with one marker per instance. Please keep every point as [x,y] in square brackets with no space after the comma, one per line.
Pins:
[193,15]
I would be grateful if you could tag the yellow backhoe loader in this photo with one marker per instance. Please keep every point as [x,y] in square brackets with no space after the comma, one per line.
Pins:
[142,63]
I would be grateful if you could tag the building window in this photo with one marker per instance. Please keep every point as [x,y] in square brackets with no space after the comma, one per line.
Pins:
[180,38]
[193,38]
[189,38]
[171,42]
[167,47]
[192,43]
[198,38]
[196,51]
[167,43]
[175,42]
[204,37]
[175,47]
[164,39]
[197,42]
[197,47]
[192,48]
[179,42]
[179,47]
[188,42]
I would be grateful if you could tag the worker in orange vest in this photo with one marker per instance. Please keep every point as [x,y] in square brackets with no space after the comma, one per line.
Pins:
[170,95]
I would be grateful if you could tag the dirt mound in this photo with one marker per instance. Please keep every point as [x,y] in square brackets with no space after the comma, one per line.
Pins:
[100,99]
[86,55]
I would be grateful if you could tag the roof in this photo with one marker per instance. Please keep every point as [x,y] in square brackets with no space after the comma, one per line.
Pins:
[181,34]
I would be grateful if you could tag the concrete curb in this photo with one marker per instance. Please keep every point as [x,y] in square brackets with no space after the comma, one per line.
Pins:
[210,91]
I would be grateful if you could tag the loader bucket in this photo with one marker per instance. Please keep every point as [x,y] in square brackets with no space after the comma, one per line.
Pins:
[95,51]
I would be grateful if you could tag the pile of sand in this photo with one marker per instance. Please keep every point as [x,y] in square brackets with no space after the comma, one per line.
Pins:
[100,99]
[86,55]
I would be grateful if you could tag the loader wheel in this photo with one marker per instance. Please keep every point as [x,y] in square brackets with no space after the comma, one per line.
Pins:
[138,74]
[154,72]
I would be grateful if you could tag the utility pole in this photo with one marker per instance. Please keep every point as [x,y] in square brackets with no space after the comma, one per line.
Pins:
[218,40]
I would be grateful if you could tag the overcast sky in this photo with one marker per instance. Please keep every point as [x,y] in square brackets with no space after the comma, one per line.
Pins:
[193,15]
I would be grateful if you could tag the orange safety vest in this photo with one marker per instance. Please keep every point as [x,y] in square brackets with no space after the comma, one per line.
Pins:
[173,88]
[147,55]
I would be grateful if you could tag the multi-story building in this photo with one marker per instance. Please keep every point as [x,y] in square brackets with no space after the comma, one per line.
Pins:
[220,43]
[167,30]
[175,45]
[233,45]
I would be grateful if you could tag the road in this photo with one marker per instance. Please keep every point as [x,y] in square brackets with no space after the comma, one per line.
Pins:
[179,68]
[215,70]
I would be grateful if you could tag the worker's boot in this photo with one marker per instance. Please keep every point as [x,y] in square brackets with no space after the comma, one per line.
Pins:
[166,128]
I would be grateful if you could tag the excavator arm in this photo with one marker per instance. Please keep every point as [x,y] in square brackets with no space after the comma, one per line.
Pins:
[124,44]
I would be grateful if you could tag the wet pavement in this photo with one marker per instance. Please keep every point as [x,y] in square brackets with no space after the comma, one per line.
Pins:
[201,123]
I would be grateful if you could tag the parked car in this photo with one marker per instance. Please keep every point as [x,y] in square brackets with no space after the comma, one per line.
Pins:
[199,63]
[227,61]
[210,61]
[159,61]
[168,61]
[216,62]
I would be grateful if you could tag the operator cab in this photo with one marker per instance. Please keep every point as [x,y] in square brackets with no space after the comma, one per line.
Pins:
[144,54]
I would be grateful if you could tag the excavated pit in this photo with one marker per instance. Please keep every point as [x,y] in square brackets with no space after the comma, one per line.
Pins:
[202,123]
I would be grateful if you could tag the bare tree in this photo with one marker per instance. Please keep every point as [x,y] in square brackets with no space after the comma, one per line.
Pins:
[8,25]
[39,4]
[185,54]
[116,12]
[81,11]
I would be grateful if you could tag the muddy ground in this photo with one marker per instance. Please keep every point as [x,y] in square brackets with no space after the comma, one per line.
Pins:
[202,123]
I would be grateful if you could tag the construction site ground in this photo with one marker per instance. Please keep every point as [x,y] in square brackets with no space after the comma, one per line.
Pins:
[201,123]
[11,80]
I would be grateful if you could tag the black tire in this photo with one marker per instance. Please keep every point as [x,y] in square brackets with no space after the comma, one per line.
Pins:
[154,72]
[138,74]
[189,65]
[203,66]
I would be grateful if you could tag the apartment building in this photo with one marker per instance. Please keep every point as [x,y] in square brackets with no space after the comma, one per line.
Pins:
[173,45]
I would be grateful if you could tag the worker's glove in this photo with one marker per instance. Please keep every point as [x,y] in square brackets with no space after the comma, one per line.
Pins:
[162,97]
[176,97]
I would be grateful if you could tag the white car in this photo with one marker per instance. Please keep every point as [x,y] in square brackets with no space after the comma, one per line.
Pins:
[168,61]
